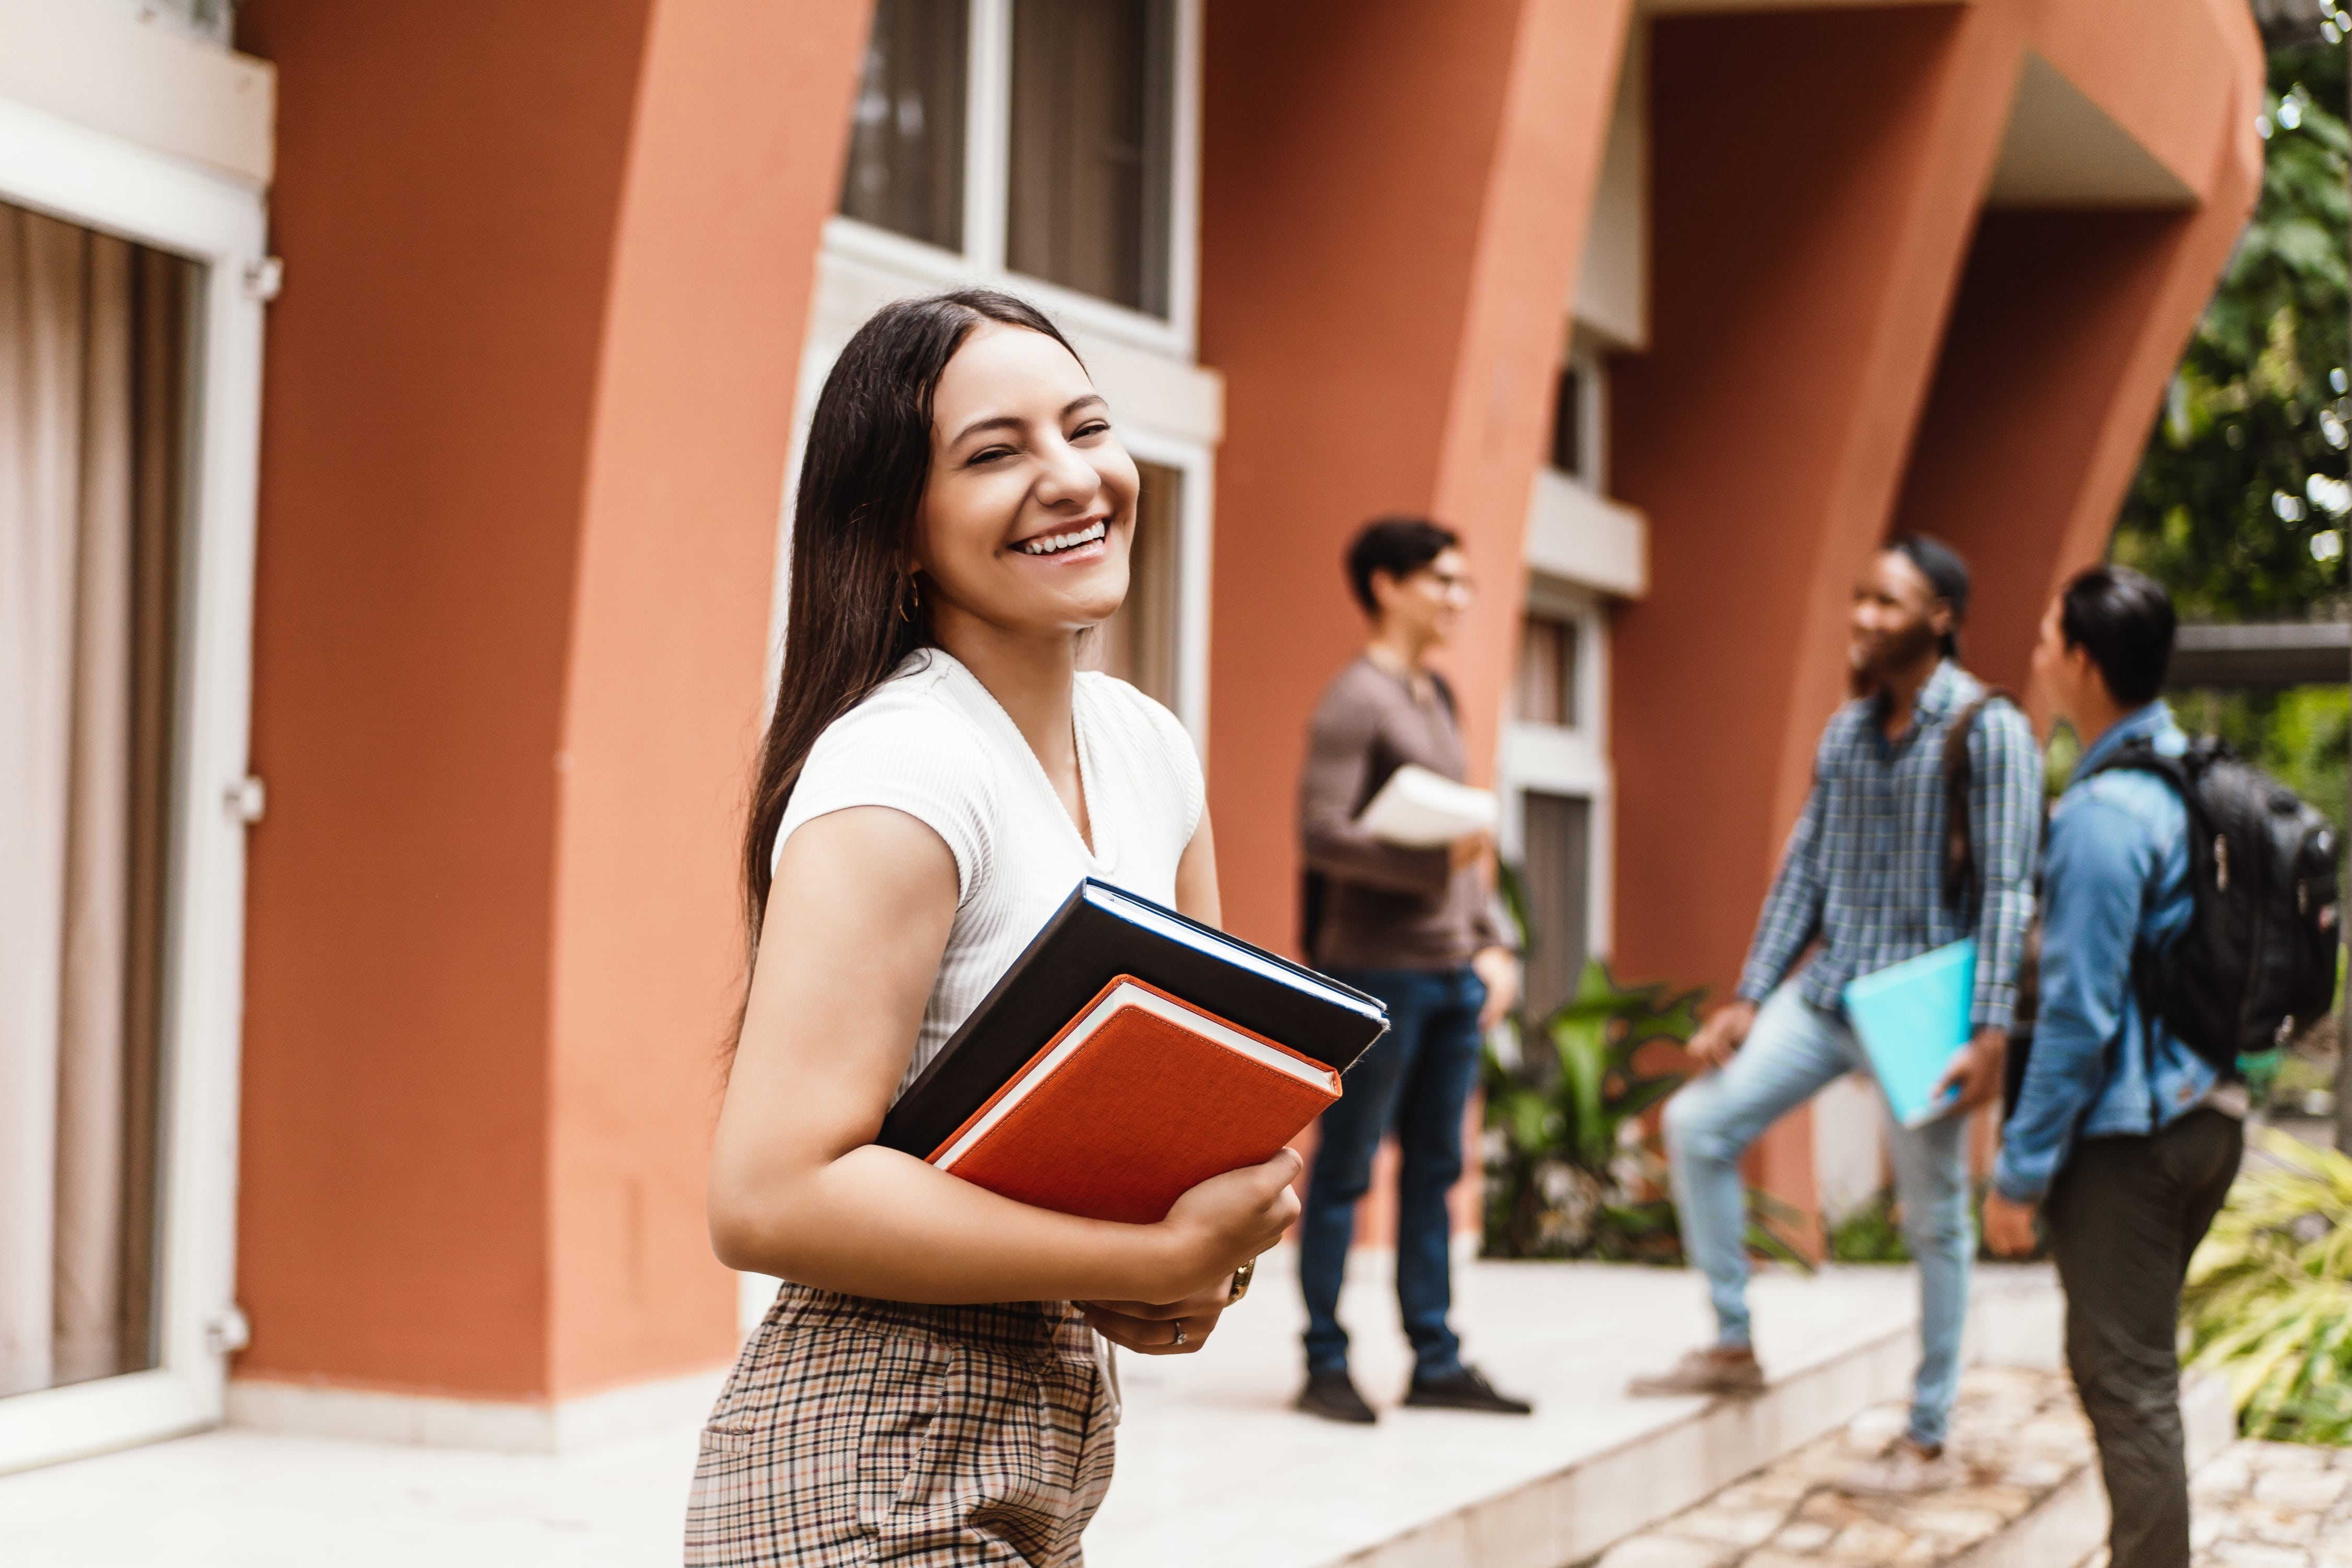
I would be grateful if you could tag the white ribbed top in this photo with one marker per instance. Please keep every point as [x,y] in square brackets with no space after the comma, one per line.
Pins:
[931,742]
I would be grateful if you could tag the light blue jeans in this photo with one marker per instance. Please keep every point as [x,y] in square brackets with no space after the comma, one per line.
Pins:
[1794,1051]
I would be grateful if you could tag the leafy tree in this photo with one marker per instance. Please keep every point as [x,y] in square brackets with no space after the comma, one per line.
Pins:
[2241,501]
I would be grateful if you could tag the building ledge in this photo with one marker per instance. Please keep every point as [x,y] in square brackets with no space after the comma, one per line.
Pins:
[107,70]
[1586,539]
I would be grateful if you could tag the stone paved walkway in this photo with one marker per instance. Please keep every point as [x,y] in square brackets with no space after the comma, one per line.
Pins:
[2273,1505]
[2019,1433]
[2023,1436]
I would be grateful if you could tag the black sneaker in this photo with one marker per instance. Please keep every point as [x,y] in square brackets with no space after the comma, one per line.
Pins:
[1333,1396]
[1463,1390]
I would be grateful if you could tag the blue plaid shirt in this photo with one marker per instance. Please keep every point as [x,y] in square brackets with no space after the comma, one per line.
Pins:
[1864,869]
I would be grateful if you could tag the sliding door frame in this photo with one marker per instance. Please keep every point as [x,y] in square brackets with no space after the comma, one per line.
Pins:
[102,183]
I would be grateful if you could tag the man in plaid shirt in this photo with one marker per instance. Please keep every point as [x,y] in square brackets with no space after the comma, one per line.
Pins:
[1864,877]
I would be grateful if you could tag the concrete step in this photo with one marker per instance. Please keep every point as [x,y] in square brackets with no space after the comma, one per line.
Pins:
[1213,1467]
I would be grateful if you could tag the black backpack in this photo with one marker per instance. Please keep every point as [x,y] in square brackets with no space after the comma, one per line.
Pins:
[2258,955]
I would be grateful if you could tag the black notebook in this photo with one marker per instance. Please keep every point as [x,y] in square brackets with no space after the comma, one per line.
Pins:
[1100,932]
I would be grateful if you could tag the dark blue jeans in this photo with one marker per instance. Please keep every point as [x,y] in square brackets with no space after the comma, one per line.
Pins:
[1415,1082]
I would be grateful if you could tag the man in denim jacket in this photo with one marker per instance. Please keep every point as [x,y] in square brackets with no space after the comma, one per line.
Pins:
[2124,1137]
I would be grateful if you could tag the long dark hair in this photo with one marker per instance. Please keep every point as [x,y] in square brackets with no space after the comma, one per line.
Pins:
[853,616]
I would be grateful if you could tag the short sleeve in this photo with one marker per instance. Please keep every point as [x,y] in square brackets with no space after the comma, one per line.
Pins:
[913,754]
[1183,760]
[1159,740]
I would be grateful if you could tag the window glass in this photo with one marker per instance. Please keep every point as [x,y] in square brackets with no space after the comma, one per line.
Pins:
[1093,105]
[1544,692]
[907,128]
[1557,875]
[93,367]
[1138,644]
[1568,424]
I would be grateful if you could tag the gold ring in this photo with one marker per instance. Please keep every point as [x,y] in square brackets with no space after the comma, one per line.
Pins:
[1180,1333]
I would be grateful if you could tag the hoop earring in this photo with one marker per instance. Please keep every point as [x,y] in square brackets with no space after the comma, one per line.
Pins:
[915,588]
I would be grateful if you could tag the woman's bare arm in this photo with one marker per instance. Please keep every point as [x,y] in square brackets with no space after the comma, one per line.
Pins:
[856,922]
[1196,877]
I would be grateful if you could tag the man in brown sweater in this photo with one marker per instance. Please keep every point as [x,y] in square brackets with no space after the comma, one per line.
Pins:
[1416,929]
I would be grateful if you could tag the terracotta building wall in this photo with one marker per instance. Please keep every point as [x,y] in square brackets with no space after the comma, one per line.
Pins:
[1393,205]
[1816,178]
[529,403]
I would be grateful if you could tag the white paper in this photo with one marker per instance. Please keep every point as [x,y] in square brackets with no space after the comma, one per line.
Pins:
[1418,809]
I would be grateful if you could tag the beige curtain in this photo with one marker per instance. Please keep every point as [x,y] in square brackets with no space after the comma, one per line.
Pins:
[71,800]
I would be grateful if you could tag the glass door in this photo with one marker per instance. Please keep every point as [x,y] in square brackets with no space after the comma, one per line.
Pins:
[130,323]
[94,343]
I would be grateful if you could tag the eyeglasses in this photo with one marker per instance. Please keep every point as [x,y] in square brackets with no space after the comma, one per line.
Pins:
[1449,584]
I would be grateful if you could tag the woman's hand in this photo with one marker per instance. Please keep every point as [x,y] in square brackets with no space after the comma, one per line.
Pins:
[1227,1220]
[1175,1328]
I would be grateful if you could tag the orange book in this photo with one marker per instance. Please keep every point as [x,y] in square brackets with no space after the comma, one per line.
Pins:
[1140,1096]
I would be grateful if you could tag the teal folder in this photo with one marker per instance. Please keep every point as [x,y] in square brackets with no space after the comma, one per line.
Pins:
[1913,1017]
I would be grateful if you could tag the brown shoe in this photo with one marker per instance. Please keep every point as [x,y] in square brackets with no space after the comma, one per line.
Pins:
[1718,1369]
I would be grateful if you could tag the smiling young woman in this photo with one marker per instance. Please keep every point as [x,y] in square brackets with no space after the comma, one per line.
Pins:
[937,776]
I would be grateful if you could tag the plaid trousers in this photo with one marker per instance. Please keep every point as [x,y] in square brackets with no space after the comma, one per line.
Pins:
[864,1432]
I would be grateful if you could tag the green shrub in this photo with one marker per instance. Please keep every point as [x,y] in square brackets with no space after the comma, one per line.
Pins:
[1567,1175]
[2269,1297]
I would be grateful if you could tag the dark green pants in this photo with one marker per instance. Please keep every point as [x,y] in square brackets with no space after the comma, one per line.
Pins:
[2124,1216]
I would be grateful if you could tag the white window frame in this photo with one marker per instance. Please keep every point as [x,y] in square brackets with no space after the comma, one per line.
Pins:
[1572,760]
[1197,464]
[99,182]
[988,129]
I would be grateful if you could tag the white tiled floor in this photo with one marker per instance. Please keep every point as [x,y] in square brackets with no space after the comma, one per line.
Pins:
[1213,1466]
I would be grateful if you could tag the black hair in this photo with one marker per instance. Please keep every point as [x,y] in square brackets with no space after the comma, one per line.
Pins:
[2124,620]
[1399,546]
[1946,573]
[853,611]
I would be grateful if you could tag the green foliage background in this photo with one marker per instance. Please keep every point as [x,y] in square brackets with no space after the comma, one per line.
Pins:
[2258,406]
[2253,411]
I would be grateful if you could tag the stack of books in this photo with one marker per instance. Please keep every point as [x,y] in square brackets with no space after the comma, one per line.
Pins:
[1129,1055]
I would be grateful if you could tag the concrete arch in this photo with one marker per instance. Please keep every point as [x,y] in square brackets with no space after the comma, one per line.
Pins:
[530,389]
[1817,180]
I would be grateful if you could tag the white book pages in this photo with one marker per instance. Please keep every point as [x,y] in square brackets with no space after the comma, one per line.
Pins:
[1418,809]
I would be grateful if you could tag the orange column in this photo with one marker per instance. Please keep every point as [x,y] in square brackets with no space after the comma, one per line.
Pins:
[2069,323]
[528,413]
[1393,205]
[1814,177]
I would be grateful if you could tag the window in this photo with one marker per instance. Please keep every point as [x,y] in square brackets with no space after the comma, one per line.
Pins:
[1038,138]
[1087,195]
[1555,770]
[1568,423]
[130,419]
[1557,835]
[1138,644]
[1578,415]
[906,130]
[1545,690]
[92,449]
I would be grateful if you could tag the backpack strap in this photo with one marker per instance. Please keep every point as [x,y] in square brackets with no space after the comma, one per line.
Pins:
[1959,781]
[2139,756]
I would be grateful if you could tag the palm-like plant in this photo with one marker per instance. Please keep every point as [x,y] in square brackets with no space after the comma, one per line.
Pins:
[1565,1179]
[2269,1297]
